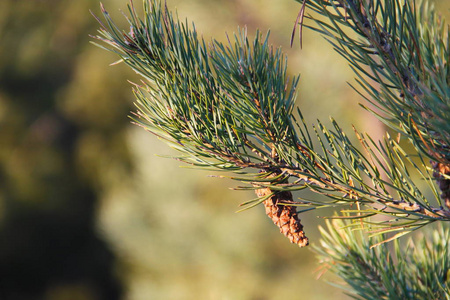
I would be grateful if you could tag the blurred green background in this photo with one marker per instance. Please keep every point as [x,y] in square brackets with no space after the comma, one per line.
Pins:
[88,211]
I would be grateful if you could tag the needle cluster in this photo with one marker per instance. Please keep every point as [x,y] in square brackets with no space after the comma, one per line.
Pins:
[231,107]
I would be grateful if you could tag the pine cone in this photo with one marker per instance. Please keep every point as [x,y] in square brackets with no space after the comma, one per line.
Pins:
[444,184]
[284,216]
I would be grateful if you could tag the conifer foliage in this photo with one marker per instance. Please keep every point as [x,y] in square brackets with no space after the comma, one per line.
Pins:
[231,107]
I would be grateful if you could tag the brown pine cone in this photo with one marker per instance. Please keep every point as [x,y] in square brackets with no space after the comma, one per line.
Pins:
[284,216]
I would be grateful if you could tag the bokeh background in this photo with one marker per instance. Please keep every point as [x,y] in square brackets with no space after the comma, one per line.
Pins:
[89,212]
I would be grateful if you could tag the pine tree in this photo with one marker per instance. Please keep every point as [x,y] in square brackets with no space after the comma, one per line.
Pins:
[231,107]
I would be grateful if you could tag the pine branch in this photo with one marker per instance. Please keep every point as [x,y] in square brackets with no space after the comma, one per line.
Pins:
[230,107]
[400,53]
[418,270]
